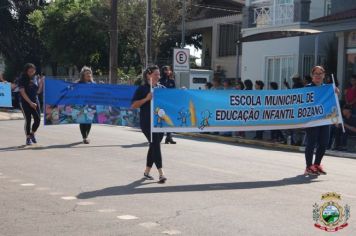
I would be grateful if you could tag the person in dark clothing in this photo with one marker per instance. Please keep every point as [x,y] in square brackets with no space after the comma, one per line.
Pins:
[276,135]
[316,137]
[29,104]
[142,99]
[259,86]
[297,82]
[350,129]
[248,84]
[86,77]
[298,134]
[167,81]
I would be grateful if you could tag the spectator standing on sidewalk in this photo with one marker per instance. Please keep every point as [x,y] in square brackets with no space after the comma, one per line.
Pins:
[350,129]
[167,80]
[259,86]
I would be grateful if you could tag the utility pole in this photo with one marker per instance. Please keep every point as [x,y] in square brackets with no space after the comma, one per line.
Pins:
[113,43]
[183,24]
[148,58]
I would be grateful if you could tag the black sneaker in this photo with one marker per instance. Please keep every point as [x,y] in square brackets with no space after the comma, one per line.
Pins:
[162,179]
[33,138]
[28,141]
[86,141]
[148,176]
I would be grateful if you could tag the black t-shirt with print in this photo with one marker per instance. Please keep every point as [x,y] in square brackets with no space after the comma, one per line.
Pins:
[31,86]
[145,110]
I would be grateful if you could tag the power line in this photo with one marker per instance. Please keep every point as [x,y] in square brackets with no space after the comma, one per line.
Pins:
[215,8]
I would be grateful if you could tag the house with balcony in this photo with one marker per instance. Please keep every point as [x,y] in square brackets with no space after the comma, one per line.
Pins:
[278,40]
[219,23]
[342,22]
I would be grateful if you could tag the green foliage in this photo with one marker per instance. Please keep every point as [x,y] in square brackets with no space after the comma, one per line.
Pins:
[76,33]
[72,33]
[19,41]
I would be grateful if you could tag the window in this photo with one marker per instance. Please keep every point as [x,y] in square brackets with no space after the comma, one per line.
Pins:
[229,35]
[198,80]
[327,10]
[279,69]
[308,63]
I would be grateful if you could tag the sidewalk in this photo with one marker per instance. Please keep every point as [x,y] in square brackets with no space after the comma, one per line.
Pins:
[17,115]
[262,143]
[6,114]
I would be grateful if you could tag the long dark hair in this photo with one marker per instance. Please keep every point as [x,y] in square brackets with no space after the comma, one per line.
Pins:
[149,70]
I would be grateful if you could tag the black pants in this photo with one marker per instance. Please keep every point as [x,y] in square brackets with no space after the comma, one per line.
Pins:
[154,155]
[317,137]
[277,135]
[341,137]
[169,136]
[259,135]
[29,112]
[85,129]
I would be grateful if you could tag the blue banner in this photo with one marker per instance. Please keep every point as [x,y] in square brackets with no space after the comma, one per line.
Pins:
[80,103]
[177,110]
[5,95]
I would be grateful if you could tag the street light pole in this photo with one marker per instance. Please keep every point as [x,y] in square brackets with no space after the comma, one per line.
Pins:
[113,43]
[183,24]
[148,58]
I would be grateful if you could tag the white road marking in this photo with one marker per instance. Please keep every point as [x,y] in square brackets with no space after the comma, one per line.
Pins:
[55,193]
[85,203]
[42,189]
[149,225]
[171,232]
[68,198]
[106,210]
[28,184]
[127,217]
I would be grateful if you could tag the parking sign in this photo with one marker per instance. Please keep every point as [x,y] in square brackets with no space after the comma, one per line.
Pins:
[181,59]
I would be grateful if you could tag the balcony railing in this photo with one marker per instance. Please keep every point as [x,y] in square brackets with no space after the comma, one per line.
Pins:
[273,14]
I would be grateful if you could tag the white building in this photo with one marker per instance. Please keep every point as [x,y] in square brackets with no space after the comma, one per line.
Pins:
[274,43]
[219,23]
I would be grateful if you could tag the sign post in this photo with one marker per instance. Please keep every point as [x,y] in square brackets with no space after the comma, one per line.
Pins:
[181,59]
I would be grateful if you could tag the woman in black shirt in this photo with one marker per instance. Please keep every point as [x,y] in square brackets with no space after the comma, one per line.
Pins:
[29,104]
[141,99]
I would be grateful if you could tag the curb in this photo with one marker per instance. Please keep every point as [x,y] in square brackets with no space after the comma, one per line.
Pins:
[260,143]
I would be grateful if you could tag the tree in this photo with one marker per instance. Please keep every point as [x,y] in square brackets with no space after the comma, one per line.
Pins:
[19,41]
[74,32]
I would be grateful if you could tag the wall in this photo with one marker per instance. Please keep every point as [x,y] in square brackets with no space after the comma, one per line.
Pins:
[254,54]
[317,9]
[342,5]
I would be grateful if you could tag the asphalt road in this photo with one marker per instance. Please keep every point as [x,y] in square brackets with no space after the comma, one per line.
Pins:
[63,187]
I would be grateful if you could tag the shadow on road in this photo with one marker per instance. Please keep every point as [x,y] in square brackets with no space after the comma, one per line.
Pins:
[39,147]
[131,189]
[145,144]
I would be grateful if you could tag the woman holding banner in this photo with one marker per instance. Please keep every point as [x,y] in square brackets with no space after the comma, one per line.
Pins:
[29,104]
[316,137]
[142,99]
[86,77]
